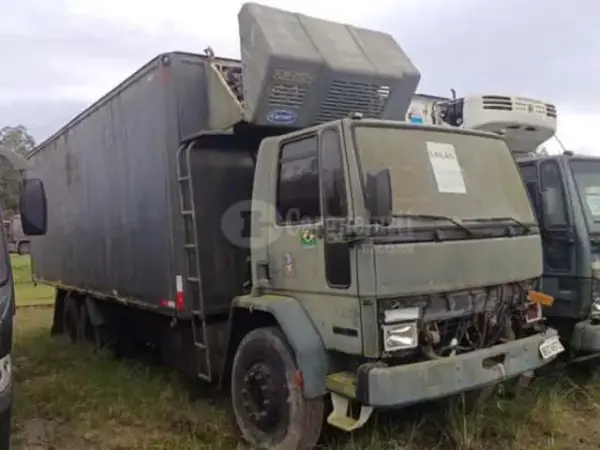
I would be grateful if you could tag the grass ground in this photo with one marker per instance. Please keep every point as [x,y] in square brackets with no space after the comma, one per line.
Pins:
[69,398]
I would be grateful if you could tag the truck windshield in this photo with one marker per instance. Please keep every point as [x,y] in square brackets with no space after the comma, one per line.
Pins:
[445,173]
[586,174]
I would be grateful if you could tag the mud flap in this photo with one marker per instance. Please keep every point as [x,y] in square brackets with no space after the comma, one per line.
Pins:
[339,417]
[94,313]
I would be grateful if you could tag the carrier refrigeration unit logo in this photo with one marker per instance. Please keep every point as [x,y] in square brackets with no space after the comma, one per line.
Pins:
[281,116]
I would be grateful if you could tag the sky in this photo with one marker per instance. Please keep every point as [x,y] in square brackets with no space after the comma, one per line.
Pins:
[61,55]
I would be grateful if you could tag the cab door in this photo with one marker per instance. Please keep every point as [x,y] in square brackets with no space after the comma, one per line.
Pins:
[312,192]
[545,178]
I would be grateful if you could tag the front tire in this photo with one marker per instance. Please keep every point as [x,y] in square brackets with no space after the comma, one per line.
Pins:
[269,407]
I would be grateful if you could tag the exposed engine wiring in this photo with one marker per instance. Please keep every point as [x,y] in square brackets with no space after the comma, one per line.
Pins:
[493,324]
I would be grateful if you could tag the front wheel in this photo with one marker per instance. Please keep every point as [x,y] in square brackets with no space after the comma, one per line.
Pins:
[269,407]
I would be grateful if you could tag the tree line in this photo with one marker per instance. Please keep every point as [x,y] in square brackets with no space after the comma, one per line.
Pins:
[15,139]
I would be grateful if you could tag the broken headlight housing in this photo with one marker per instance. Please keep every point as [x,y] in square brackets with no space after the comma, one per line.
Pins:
[401,329]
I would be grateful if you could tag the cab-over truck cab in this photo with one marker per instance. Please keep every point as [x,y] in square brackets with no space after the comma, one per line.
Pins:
[565,190]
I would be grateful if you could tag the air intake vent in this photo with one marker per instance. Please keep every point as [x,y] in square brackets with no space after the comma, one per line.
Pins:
[497,102]
[550,110]
[345,97]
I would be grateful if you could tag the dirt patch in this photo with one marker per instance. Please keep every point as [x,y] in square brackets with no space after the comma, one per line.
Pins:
[35,434]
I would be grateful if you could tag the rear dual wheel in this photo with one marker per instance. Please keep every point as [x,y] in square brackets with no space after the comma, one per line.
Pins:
[77,324]
[268,403]
[71,315]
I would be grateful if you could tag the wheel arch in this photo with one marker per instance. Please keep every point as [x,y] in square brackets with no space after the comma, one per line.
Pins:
[249,313]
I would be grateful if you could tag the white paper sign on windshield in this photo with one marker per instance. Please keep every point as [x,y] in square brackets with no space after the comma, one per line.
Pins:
[592,196]
[447,171]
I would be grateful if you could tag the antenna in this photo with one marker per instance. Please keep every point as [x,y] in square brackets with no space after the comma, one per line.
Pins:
[560,142]
[453,94]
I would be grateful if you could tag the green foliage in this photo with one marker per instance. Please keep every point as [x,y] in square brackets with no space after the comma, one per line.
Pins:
[16,140]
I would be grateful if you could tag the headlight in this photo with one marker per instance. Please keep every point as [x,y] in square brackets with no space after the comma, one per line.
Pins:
[400,337]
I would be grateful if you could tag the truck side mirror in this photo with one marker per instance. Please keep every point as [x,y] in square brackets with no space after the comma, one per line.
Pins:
[33,207]
[379,195]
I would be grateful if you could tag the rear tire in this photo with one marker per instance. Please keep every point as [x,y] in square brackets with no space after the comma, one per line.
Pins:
[88,332]
[270,409]
[71,318]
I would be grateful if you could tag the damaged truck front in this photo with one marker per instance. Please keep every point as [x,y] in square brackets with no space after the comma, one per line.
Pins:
[432,264]
[374,261]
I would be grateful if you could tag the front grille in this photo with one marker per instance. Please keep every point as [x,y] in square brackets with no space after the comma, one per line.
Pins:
[497,102]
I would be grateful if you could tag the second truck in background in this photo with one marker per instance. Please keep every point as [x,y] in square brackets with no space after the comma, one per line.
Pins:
[565,192]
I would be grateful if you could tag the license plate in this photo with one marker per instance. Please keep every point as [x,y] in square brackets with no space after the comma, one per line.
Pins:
[551,347]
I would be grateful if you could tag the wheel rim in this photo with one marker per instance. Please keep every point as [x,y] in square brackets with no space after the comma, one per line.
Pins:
[265,398]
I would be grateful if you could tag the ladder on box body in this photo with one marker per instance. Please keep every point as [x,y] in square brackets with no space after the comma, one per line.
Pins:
[192,281]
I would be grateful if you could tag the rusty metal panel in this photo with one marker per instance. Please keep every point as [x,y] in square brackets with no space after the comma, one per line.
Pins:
[110,178]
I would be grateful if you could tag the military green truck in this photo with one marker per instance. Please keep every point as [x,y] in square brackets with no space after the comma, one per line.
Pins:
[273,225]
[565,192]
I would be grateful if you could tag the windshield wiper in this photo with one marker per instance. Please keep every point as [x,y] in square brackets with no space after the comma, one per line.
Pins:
[525,227]
[452,220]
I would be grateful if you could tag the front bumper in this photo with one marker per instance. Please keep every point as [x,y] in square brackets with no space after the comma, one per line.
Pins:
[586,337]
[412,383]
